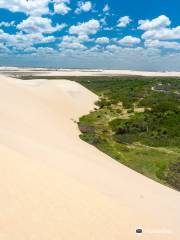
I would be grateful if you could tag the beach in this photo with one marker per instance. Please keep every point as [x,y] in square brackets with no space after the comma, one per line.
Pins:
[83,72]
[55,186]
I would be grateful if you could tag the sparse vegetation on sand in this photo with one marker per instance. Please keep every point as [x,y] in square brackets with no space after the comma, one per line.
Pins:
[137,122]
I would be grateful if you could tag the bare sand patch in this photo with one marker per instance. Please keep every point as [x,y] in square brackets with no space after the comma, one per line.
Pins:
[84,72]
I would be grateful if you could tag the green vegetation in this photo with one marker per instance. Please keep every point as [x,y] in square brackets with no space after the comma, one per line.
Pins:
[137,122]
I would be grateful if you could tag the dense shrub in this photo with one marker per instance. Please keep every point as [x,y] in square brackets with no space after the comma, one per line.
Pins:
[117,133]
[173,175]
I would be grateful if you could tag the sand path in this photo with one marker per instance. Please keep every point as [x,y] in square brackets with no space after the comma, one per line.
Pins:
[56,187]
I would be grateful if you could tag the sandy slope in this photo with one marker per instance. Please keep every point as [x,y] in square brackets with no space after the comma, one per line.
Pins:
[53,186]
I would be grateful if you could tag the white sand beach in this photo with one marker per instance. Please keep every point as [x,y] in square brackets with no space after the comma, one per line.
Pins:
[53,186]
[85,72]
[97,72]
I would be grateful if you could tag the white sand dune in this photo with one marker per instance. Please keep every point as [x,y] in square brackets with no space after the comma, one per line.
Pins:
[85,72]
[76,72]
[53,186]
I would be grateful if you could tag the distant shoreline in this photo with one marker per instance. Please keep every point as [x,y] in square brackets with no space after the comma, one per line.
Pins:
[86,72]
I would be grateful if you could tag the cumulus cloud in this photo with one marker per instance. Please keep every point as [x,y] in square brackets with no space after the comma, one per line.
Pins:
[71,42]
[86,28]
[36,24]
[163,34]
[22,41]
[156,23]
[33,7]
[40,51]
[159,34]
[61,6]
[129,41]
[113,48]
[124,21]
[83,7]
[45,51]
[102,40]
[162,44]
[36,7]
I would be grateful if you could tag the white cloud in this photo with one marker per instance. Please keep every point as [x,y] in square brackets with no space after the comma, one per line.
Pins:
[108,28]
[157,23]
[7,24]
[111,57]
[44,51]
[106,8]
[84,38]
[129,41]
[159,34]
[22,41]
[36,7]
[124,21]
[162,44]
[39,51]
[71,42]
[85,49]
[32,7]
[73,45]
[102,40]
[36,24]
[61,6]
[83,7]
[163,33]
[113,48]
[86,28]
[95,49]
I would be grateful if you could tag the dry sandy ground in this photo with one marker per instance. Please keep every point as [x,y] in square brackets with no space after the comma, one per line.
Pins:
[109,73]
[85,72]
[53,186]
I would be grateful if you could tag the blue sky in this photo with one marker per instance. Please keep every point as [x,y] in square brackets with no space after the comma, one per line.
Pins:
[139,35]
